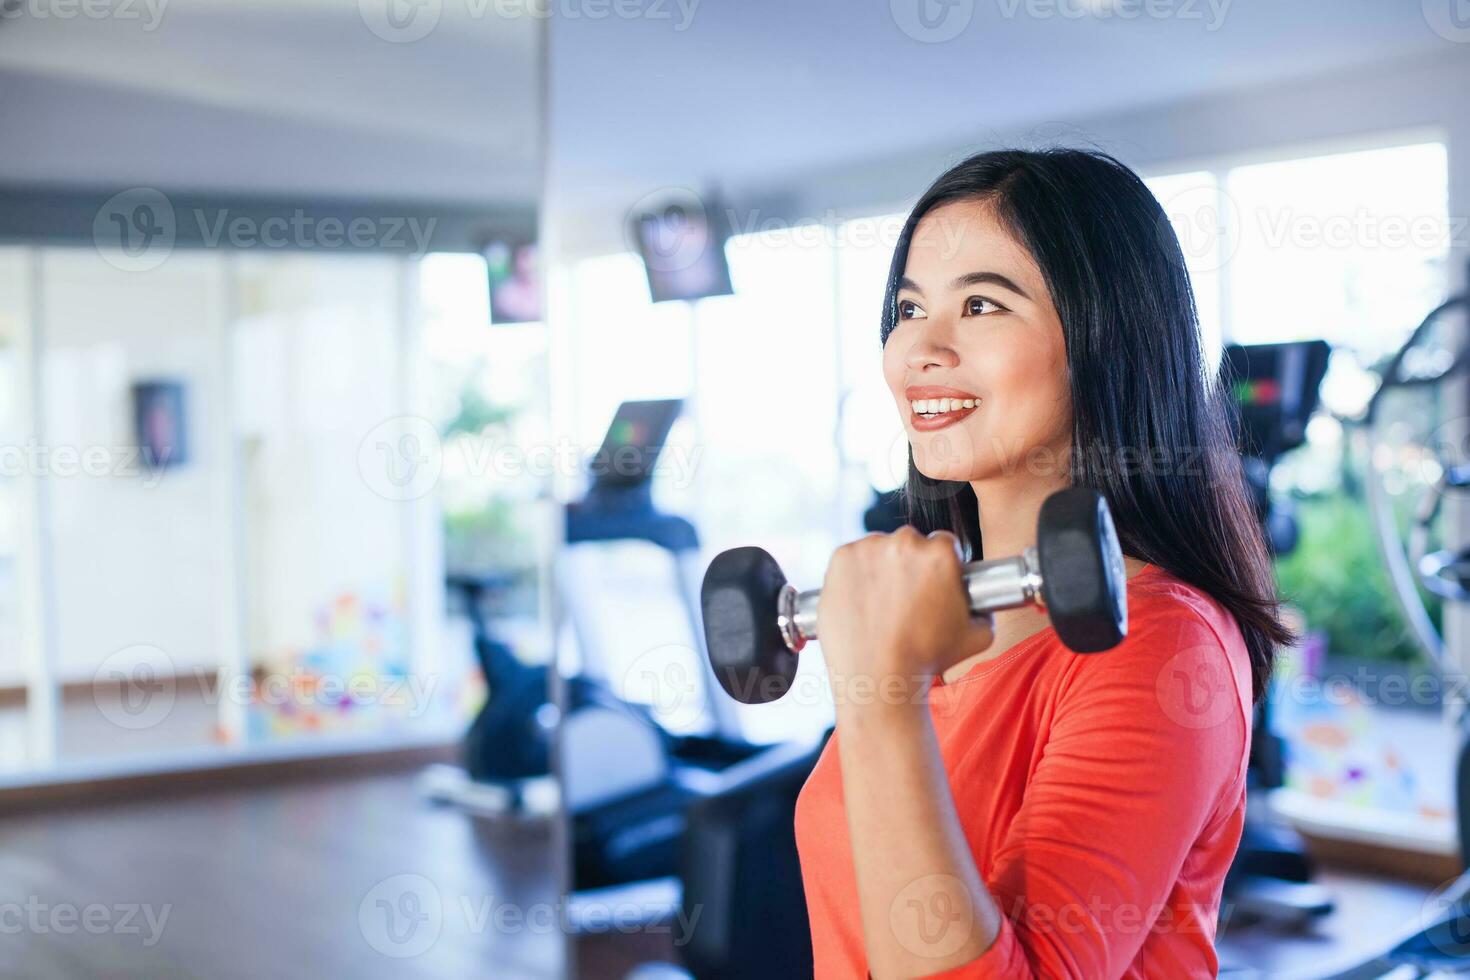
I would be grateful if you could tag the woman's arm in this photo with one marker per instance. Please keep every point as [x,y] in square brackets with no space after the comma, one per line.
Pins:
[893,615]
[924,906]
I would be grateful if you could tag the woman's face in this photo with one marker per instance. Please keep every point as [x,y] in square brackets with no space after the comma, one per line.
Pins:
[976,360]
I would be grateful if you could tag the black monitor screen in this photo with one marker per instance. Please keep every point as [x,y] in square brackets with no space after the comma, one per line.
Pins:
[515,288]
[683,248]
[1275,388]
[633,443]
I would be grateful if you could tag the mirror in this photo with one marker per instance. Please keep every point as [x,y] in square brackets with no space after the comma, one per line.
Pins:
[269,313]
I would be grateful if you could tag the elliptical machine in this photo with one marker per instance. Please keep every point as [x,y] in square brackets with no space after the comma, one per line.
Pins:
[1441,941]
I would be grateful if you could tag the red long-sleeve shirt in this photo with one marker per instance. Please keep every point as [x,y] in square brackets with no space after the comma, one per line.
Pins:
[1102,797]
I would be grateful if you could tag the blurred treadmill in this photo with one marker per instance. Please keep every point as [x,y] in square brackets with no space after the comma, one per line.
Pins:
[618,506]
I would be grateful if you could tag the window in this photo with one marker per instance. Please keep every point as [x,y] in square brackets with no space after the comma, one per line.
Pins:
[873,444]
[1203,221]
[1352,248]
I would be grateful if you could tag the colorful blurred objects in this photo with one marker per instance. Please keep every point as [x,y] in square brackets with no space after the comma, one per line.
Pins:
[1341,747]
[355,678]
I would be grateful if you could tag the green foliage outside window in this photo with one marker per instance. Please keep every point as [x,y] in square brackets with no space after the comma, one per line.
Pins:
[1337,578]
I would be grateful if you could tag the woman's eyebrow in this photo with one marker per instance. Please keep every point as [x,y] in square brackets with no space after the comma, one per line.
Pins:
[995,278]
[969,279]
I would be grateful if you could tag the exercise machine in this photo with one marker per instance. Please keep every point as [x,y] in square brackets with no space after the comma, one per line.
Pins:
[618,507]
[628,818]
[1275,390]
[1436,352]
[625,781]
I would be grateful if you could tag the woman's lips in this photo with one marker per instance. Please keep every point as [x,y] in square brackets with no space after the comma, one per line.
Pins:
[935,407]
[928,423]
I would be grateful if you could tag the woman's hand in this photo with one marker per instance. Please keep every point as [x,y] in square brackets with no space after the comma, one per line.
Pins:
[893,614]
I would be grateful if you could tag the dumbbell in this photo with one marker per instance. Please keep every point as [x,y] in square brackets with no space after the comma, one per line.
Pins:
[755,622]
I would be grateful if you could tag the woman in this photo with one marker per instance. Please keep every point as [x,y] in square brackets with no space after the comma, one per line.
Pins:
[992,804]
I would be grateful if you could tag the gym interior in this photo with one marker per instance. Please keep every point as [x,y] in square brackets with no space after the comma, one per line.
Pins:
[380,382]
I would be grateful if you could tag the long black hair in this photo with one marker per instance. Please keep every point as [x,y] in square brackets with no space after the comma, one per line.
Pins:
[1151,427]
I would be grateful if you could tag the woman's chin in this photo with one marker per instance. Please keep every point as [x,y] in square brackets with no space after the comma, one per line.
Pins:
[950,474]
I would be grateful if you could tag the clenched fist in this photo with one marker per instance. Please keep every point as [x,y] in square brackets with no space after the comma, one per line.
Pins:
[894,613]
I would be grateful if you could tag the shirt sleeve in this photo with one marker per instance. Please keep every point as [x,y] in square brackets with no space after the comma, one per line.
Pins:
[1147,741]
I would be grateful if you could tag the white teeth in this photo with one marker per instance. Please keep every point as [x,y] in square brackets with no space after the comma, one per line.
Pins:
[940,406]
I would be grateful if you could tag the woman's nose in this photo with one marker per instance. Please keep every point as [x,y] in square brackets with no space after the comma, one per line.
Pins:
[927,353]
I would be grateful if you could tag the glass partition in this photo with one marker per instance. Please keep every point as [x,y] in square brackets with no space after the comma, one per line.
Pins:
[17,490]
[137,492]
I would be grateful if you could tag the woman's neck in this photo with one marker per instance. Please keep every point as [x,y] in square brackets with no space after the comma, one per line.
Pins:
[1009,511]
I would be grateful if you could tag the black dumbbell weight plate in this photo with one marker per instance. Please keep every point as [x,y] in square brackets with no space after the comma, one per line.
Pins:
[739,604]
[1084,583]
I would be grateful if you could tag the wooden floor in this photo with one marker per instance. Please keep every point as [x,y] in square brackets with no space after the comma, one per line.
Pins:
[361,878]
[345,878]
[1370,911]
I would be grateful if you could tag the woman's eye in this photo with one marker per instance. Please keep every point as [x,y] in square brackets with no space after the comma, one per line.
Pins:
[909,310]
[979,305]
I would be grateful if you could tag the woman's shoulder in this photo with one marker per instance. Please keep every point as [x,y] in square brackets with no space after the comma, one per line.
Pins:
[1184,665]
[1162,604]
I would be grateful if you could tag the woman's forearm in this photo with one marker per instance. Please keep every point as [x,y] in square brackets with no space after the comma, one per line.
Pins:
[924,906]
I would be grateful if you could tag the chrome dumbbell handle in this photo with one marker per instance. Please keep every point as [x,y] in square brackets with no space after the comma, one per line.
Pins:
[1002,583]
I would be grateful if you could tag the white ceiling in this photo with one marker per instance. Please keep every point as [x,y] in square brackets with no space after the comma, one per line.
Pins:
[272,95]
[302,96]
[751,90]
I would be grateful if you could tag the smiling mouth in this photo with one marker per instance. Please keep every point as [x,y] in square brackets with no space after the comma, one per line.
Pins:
[933,408]
[938,413]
